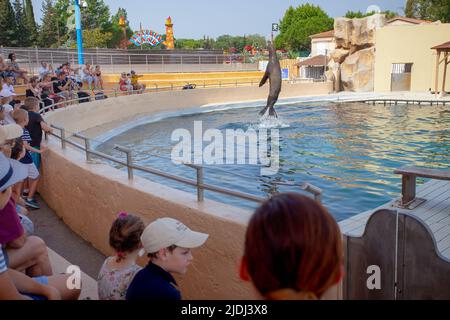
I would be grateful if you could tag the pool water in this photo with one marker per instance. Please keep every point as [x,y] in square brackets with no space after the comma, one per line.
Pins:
[349,150]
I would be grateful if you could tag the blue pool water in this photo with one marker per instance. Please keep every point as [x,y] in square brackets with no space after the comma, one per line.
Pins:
[348,150]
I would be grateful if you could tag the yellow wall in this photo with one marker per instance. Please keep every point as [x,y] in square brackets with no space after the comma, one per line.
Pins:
[410,44]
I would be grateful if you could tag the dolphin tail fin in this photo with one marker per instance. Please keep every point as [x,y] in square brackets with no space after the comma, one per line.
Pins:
[263,111]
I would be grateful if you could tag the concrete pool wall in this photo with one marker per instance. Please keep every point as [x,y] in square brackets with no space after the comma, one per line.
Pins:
[87,196]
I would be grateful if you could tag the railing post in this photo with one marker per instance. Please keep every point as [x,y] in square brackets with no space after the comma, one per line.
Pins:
[314,190]
[87,144]
[51,59]
[128,152]
[63,136]
[200,191]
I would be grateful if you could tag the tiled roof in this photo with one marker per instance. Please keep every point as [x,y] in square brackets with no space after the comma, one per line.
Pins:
[326,34]
[410,20]
[314,61]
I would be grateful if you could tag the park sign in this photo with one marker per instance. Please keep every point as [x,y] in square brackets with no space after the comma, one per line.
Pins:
[146,37]
[275,27]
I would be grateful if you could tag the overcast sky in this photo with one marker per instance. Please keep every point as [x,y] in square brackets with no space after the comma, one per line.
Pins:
[196,18]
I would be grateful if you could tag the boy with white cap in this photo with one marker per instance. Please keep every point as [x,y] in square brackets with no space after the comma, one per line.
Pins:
[168,243]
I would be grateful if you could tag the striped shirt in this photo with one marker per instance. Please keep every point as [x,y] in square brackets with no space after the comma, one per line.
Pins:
[3,267]
[27,159]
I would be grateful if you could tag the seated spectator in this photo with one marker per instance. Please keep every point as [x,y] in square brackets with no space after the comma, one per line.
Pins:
[61,86]
[125,83]
[168,244]
[15,285]
[25,254]
[87,76]
[117,272]
[98,78]
[5,70]
[7,108]
[22,119]
[45,70]
[293,249]
[36,125]
[135,82]
[47,90]
[7,86]
[16,70]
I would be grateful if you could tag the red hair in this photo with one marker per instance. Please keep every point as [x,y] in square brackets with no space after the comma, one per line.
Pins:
[293,245]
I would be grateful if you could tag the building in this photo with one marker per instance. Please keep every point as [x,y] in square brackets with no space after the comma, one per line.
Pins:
[322,43]
[404,21]
[404,60]
[314,67]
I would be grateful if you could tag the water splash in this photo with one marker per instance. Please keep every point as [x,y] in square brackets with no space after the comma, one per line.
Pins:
[271,122]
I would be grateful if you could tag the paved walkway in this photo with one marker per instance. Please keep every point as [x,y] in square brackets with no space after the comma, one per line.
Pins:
[65,242]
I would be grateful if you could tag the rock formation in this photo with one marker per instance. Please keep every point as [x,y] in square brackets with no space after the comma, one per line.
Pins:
[355,52]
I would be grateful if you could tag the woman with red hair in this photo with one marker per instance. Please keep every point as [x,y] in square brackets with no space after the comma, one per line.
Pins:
[293,249]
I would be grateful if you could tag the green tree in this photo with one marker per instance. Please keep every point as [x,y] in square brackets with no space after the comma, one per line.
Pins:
[96,15]
[359,14]
[48,33]
[432,10]
[300,23]
[30,22]
[8,24]
[117,31]
[410,8]
[95,38]
[21,32]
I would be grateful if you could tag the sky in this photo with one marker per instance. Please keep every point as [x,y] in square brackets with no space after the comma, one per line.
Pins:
[198,18]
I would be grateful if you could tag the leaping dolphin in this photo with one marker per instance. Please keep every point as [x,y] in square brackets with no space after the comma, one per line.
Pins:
[273,73]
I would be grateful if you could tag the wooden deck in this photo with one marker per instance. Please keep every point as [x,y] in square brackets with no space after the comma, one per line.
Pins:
[435,212]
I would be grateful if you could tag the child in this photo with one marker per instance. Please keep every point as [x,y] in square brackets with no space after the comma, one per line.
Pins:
[293,249]
[21,118]
[118,271]
[135,82]
[167,243]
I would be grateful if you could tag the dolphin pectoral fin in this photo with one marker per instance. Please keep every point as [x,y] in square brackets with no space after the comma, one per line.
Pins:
[264,79]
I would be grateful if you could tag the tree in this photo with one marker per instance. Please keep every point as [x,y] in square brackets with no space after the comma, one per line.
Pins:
[21,32]
[96,38]
[8,19]
[116,30]
[410,8]
[300,23]
[48,35]
[432,10]
[30,22]
[96,15]
[359,14]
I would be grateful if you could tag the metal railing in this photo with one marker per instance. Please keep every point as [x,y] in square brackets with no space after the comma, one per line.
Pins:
[113,61]
[198,183]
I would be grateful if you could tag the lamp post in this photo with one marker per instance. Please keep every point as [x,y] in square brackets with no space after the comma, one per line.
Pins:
[79,32]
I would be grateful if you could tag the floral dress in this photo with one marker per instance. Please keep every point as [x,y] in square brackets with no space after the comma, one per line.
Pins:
[112,283]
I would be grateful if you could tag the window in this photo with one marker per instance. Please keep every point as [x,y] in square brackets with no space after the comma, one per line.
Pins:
[398,68]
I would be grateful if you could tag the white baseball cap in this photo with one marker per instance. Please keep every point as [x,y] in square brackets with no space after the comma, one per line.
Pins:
[11,172]
[167,232]
[9,132]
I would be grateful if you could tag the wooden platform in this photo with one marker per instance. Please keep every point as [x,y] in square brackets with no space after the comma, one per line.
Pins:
[435,212]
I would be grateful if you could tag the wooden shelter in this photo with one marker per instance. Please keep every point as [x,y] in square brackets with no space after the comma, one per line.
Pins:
[445,50]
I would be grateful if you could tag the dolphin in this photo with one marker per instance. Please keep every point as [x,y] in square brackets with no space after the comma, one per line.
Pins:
[273,73]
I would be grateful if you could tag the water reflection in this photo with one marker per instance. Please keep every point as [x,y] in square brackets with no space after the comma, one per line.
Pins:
[348,150]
